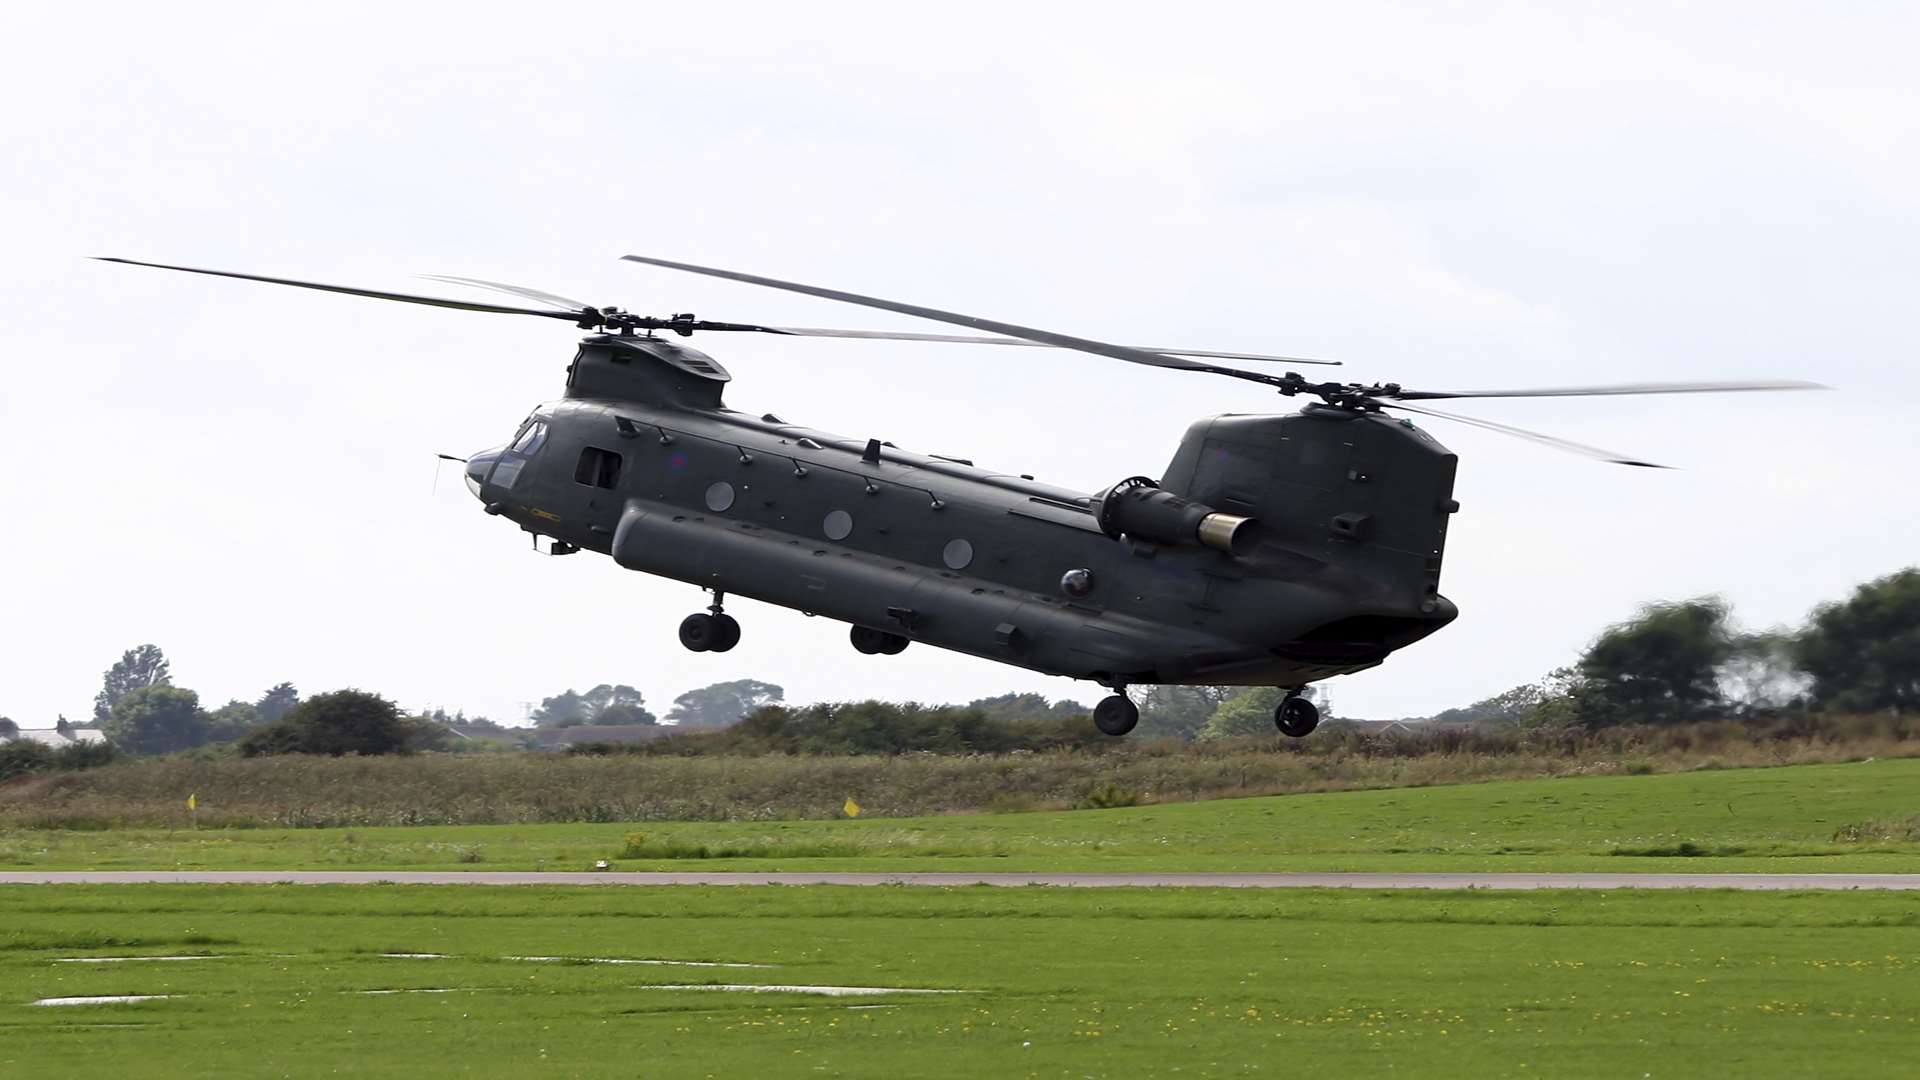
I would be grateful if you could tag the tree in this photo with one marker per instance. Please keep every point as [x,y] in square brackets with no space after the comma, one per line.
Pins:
[1661,667]
[604,704]
[1864,652]
[1760,675]
[138,667]
[1179,712]
[459,721]
[231,721]
[157,719]
[1028,708]
[276,702]
[622,714]
[343,722]
[722,703]
[1251,712]
[8,729]
[563,709]
[1542,703]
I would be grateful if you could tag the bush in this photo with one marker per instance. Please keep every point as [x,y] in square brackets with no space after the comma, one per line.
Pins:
[1109,795]
[21,757]
[872,727]
[343,722]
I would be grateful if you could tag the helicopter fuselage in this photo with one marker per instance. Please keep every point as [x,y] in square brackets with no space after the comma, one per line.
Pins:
[641,462]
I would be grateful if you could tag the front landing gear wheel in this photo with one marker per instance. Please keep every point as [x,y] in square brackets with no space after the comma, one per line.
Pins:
[702,632]
[1296,716]
[1116,715]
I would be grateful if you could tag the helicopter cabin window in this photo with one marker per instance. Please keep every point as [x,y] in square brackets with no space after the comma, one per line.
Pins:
[598,468]
[530,438]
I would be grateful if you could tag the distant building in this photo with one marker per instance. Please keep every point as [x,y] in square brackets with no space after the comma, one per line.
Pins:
[58,737]
[1380,727]
[582,734]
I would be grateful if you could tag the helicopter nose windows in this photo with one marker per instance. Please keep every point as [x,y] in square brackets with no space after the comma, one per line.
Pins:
[505,473]
[597,468]
[530,438]
[958,554]
[720,497]
[838,525]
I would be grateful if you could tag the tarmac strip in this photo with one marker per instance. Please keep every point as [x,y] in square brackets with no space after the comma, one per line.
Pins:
[1749,882]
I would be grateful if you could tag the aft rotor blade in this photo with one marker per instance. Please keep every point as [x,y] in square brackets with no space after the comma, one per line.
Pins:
[1557,443]
[405,298]
[972,339]
[1611,390]
[512,290]
[1027,333]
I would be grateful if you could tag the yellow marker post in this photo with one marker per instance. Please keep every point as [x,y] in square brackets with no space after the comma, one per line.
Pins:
[193,807]
[852,808]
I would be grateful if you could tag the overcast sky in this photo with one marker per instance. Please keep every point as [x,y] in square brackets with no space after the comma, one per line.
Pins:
[1448,196]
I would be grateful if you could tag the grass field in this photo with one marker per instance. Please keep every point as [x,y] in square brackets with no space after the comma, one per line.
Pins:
[1056,983]
[1861,817]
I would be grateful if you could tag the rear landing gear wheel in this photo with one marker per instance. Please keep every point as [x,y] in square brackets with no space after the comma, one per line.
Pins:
[699,632]
[1116,715]
[1296,717]
[870,641]
[711,631]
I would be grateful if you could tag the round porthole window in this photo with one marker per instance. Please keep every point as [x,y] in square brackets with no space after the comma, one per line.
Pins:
[838,525]
[1076,583]
[958,554]
[720,497]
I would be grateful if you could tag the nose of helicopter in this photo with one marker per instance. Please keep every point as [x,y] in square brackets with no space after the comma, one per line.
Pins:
[478,466]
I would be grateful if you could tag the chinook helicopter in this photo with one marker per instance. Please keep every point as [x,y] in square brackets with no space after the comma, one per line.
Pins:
[1273,550]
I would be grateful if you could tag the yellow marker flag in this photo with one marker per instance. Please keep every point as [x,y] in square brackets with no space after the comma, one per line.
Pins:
[852,808]
[193,801]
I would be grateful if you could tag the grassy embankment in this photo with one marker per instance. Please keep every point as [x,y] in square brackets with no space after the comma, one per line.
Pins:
[1122,983]
[1860,817]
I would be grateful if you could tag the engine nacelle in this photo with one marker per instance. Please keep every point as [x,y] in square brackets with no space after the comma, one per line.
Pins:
[1138,507]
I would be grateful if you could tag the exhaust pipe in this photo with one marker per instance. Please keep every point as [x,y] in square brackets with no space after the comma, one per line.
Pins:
[1137,507]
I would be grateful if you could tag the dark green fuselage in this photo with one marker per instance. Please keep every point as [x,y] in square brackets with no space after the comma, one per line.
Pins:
[641,461]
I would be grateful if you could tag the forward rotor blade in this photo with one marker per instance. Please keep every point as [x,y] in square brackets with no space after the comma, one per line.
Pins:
[971,339]
[869,335]
[405,298]
[1027,333]
[1557,443]
[1612,390]
[512,290]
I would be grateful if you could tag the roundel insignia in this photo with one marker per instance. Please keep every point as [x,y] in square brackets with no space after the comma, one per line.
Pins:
[677,462]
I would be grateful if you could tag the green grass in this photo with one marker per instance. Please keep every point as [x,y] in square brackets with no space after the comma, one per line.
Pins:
[1117,983]
[1853,818]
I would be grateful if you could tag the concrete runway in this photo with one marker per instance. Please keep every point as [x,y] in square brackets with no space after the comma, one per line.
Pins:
[1750,882]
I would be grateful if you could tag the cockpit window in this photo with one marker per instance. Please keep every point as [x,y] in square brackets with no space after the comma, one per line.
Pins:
[530,438]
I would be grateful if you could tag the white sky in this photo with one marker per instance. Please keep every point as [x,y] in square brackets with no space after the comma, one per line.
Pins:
[1445,195]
